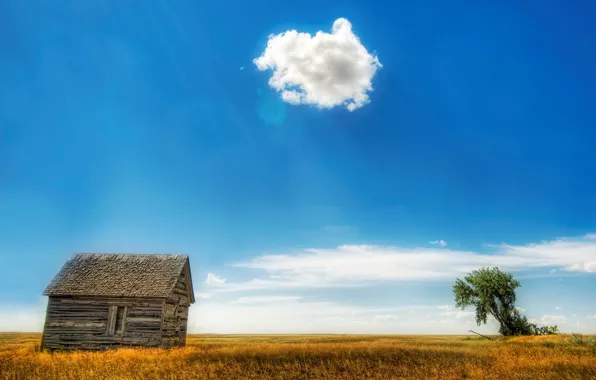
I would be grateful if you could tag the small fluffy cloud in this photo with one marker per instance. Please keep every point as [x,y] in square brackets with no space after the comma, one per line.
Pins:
[325,70]
[213,279]
[442,243]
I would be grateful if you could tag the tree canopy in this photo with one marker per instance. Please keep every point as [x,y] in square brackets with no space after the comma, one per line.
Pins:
[492,292]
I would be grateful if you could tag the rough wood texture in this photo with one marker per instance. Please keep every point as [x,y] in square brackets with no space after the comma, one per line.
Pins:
[95,322]
[73,323]
[176,314]
[117,275]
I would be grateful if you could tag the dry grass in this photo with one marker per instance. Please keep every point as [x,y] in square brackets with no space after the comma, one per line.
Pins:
[310,357]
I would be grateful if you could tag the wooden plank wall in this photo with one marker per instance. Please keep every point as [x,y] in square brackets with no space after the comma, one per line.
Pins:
[81,323]
[176,315]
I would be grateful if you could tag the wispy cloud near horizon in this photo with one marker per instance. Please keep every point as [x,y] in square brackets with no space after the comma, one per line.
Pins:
[363,265]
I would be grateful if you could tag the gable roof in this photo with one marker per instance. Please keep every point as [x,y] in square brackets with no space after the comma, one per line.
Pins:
[120,275]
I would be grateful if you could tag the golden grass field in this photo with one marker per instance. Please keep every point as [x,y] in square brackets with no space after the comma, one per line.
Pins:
[310,357]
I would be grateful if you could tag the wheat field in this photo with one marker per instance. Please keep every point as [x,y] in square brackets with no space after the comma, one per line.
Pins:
[311,357]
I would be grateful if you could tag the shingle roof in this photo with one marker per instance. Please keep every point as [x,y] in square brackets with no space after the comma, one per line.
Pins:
[117,275]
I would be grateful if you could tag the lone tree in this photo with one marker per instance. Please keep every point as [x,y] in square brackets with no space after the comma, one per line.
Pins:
[492,292]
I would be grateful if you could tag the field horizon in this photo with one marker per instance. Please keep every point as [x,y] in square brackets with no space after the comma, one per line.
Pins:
[312,356]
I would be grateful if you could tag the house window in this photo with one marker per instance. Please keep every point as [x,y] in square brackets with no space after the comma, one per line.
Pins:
[116,321]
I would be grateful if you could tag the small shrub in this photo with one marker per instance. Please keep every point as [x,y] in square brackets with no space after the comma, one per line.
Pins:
[591,341]
[577,338]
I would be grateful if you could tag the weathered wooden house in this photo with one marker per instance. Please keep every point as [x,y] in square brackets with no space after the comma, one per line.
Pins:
[101,301]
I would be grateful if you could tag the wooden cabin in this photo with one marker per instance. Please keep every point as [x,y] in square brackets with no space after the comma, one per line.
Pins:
[102,301]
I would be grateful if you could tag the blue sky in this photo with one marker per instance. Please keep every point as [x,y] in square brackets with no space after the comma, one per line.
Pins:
[149,127]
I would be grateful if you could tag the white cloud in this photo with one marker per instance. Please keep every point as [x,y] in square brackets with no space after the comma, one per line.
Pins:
[363,265]
[385,318]
[266,299]
[448,310]
[520,309]
[442,243]
[576,254]
[303,317]
[553,270]
[213,279]
[557,308]
[553,319]
[585,267]
[326,70]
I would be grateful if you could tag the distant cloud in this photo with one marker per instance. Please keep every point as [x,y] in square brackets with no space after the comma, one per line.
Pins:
[213,279]
[325,70]
[364,265]
[449,311]
[303,317]
[385,318]
[442,243]
[553,270]
[553,319]
[267,299]
[585,267]
[557,308]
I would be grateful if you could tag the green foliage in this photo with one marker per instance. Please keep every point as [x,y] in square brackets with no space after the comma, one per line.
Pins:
[545,330]
[492,292]
[591,341]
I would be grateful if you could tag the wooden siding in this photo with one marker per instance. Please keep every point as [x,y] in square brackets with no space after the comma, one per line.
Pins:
[175,316]
[179,294]
[82,323]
